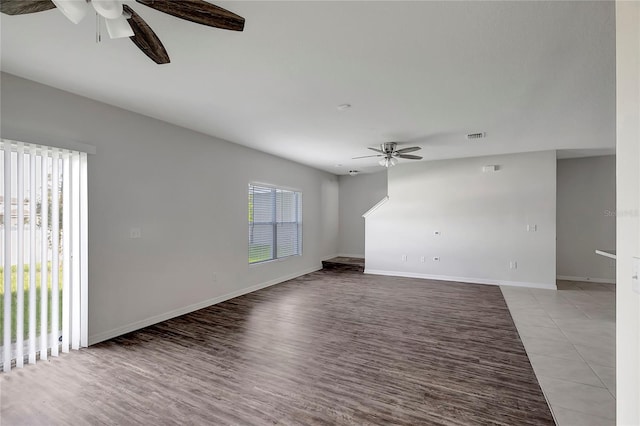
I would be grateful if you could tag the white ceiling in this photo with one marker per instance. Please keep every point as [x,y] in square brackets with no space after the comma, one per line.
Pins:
[532,75]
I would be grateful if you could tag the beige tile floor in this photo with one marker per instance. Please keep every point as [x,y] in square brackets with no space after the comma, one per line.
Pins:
[570,337]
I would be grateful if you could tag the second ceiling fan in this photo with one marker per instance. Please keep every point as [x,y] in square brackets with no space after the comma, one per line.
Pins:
[122,21]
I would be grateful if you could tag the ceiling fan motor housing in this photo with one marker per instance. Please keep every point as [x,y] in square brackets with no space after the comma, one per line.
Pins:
[389,147]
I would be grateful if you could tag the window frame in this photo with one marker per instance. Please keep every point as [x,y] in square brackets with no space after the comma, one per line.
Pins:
[274,222]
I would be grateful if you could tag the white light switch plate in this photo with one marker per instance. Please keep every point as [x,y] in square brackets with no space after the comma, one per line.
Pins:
[635,278]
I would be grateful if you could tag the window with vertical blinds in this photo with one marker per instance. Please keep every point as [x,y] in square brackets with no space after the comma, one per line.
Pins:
[43,254]
[275,223]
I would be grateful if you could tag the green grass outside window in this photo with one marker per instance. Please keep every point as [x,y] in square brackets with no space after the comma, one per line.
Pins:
[25,290]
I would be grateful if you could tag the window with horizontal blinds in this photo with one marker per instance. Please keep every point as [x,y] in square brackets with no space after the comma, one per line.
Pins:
[43,254]
[275,223]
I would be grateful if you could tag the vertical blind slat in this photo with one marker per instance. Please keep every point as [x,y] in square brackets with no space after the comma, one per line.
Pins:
[55,261]
[44,257]
[75,253]
[6,364]
[20,259]
[66,258]
[32,254]
[84,252]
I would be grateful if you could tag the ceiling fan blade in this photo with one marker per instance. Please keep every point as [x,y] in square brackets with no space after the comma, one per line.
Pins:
[367,156]
[22,7]
[198,11]
[407,150]
[146,39]
[376,150]
[409,156]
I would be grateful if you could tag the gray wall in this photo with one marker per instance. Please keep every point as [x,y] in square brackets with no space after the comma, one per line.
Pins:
[188,194]
[482,219]
[357,195]
[586,221]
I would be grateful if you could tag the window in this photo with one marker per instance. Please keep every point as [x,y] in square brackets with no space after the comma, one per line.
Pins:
[43,251]
[275,223]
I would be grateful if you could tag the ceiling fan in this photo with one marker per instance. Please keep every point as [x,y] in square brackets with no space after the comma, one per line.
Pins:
[121,20]
[390,154]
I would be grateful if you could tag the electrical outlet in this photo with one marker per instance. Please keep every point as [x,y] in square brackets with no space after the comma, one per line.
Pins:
[513,265]
[404,257]
[436,258]
[532,228]
[422,259]
[135,233]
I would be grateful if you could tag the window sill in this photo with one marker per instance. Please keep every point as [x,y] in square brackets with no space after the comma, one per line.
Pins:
[281,259]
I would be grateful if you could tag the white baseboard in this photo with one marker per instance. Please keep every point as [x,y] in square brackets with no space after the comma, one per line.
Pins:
[586,279]
[549,286]
[110,334]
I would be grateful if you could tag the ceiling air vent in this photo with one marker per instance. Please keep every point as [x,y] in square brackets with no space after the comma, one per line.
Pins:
[481,135]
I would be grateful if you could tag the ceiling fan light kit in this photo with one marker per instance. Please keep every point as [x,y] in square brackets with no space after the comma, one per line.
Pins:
[388,162]
[121,21]
[73,10]
[108,9]
[111,10]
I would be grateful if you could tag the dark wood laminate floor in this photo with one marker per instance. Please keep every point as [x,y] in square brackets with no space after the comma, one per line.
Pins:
[331,347]
[342,263]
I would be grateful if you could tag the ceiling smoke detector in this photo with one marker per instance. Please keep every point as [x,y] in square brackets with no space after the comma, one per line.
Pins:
[479,135]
